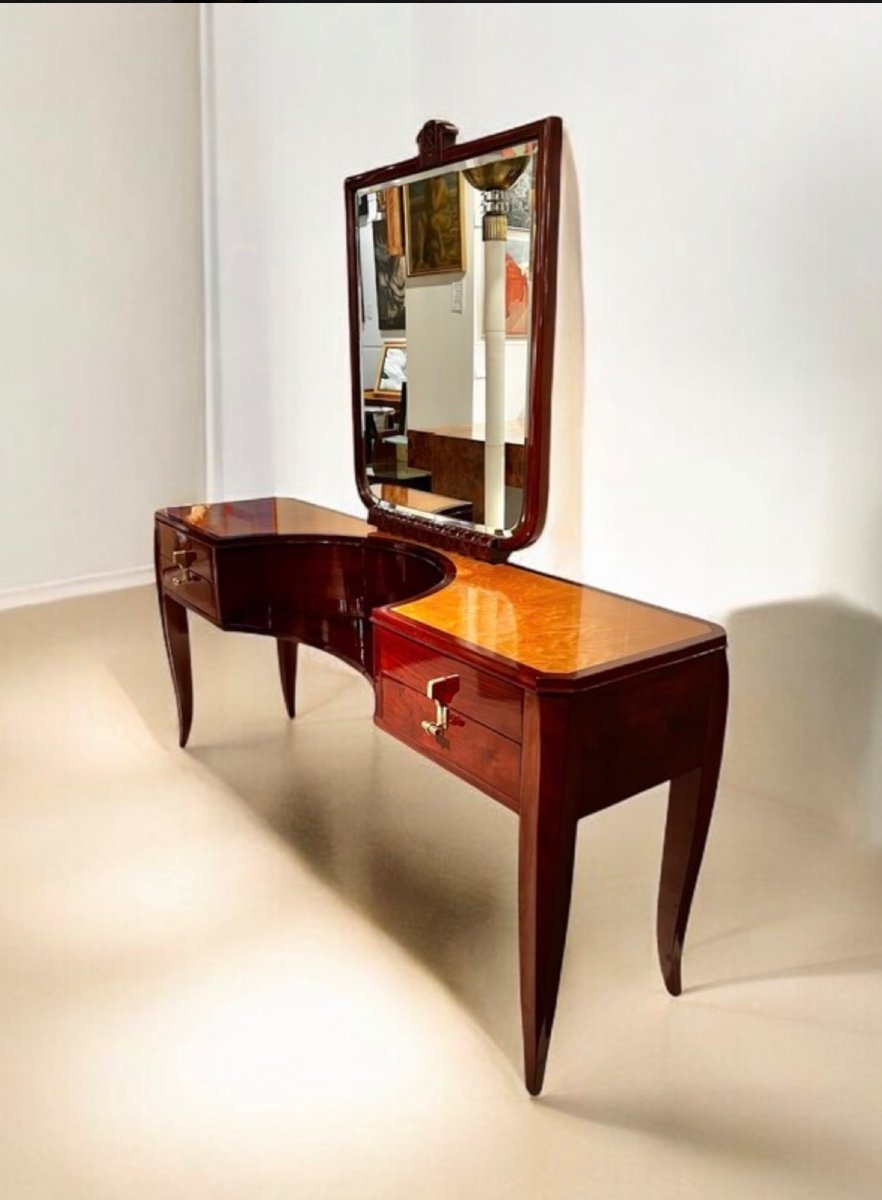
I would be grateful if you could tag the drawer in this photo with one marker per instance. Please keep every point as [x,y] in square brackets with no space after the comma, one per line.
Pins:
[171,540]
[469,748]
[195,591]
[482,697]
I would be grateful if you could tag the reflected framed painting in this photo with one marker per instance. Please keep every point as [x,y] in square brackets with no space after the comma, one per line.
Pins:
[433,221]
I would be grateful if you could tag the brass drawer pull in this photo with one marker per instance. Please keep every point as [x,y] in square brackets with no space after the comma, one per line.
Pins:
[182,560]
[442,691]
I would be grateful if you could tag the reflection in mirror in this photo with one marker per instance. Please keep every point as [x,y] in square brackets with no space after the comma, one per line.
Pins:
[445,271]
[392,371]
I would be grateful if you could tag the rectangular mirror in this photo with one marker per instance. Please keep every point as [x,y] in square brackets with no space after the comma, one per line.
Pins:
[446,272]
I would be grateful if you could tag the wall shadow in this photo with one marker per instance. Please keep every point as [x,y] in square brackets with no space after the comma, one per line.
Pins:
[805,723]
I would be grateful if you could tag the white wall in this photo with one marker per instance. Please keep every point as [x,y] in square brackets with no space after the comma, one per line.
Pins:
[718,410]
[298,98]
[101,388]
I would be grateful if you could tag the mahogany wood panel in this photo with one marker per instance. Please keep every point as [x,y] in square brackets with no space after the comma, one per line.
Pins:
[476,753]
[307,589]
[481,696]
[642,729]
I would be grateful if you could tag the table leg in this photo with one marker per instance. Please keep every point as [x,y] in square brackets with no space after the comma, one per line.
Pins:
[177,644]
[690,807]
[288,672]
[547,849]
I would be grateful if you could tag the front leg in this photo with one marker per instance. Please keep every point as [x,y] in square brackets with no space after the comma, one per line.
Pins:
[690,807]
[547,850]
[177,644]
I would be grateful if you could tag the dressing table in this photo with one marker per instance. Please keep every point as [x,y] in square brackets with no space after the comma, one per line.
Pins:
[553,698]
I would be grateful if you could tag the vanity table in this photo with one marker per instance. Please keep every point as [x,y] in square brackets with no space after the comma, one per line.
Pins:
[552,698]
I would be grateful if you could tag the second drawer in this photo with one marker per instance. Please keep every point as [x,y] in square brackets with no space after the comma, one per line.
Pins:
[470,749]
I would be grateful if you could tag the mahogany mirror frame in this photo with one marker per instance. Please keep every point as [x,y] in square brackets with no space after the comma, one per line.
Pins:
[437,147]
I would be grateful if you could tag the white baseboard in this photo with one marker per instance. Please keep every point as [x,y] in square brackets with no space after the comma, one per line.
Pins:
[83,585]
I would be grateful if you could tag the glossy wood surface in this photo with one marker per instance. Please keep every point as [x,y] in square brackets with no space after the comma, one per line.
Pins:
[267,517]
[550,625]
[562,699]
[499,610]
[437,147]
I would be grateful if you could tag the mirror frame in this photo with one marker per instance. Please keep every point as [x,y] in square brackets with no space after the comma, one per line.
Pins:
[437,147]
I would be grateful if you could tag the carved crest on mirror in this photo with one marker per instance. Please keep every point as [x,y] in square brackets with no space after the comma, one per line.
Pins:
[452,259]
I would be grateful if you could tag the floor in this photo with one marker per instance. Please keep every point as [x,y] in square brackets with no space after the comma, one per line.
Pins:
[283,963]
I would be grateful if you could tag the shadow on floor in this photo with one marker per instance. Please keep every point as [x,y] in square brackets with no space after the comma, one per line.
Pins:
[433,865]
[414,852]
[791,879]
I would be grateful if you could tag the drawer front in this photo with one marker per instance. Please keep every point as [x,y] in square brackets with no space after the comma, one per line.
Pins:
[468,746]
[170,540]
[195,590]
[481,697]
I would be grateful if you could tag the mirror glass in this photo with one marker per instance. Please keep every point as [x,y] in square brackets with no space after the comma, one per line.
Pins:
[445,263]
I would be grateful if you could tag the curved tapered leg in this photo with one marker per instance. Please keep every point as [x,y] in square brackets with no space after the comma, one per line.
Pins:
[690,807]
[546,852]
[288,672]
[177,644]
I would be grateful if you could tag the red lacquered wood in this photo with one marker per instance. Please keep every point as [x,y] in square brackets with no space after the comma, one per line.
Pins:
[690,808]
[320,591]
[482,696]
[477,754]
[440,136]
[547,847]
[287,649]
[641,729]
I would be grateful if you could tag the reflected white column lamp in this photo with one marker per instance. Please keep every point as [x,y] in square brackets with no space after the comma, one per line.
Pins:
[493,180]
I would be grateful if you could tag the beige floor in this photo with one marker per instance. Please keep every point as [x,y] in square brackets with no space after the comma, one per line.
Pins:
[283,963]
